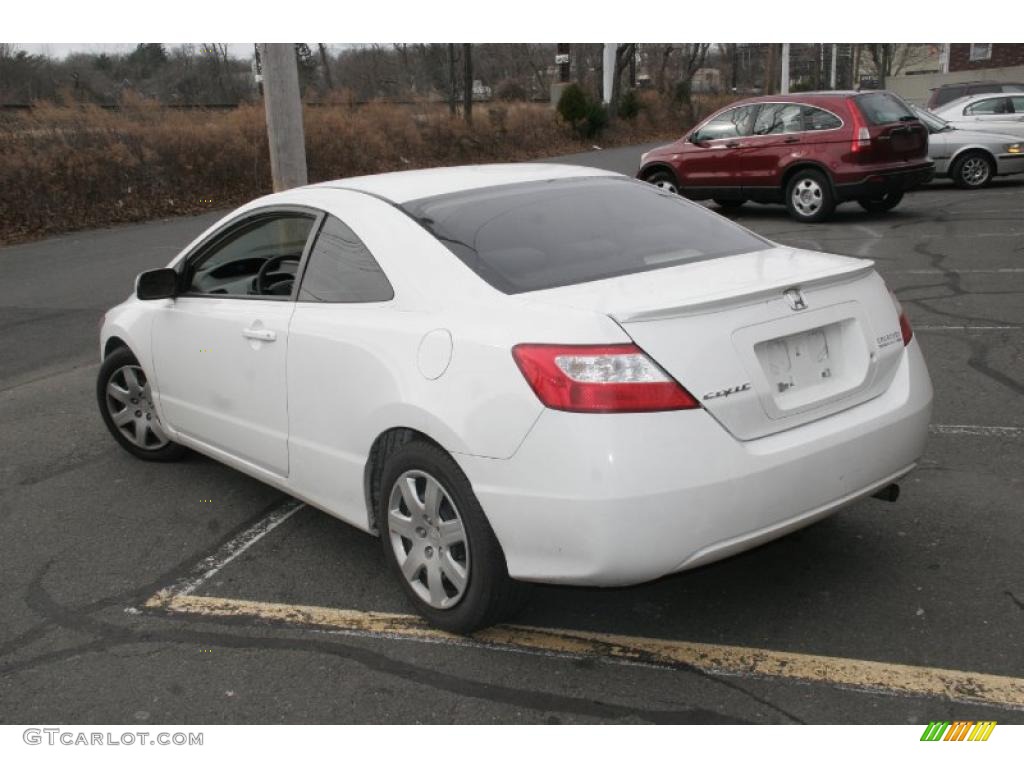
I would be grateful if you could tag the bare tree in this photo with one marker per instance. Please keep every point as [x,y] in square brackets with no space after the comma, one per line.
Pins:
[467,82]
[453,82]
[325,62]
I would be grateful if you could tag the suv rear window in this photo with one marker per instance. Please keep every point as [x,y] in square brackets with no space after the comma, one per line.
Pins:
[536,235]
[880,108]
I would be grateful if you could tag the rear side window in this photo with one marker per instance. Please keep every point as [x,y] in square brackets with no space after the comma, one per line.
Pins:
[779,118]
[997,106]
[341,269]
[537,235]
[820,120]
[1018,104]
[881,108]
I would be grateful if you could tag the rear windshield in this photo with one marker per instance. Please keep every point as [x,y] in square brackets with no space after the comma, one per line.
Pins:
[880,108]
[537,235]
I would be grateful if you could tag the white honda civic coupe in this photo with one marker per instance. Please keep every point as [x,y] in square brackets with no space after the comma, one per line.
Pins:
[521,373]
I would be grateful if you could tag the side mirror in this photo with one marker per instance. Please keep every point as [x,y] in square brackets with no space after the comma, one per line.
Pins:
[157,284]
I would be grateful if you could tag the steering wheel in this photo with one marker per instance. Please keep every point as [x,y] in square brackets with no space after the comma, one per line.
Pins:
[261,285]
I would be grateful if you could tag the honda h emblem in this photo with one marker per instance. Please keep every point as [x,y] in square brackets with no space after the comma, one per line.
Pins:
[795,299]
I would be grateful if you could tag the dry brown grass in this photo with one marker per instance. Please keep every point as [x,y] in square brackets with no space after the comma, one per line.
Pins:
[67,168]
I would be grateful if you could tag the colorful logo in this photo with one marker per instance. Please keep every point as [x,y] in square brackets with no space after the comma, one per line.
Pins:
[958,730]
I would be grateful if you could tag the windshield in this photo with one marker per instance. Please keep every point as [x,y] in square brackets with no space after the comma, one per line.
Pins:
[536,235]
[931,120]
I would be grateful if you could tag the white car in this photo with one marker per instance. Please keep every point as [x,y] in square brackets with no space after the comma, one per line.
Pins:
[995,112]
[521,373]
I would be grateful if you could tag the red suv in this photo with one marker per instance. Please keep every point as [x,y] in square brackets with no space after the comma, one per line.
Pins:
[810,151]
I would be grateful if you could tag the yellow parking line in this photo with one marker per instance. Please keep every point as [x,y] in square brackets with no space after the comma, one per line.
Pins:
[953,685]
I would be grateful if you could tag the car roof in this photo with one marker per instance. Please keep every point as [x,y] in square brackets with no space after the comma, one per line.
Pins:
[403,186]
[973,97]
[969,82]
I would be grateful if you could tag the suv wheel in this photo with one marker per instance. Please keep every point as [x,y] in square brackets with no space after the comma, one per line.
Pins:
[664,180]
[973,170]
[881,204]
[439,544]
[809,196]
[126,405]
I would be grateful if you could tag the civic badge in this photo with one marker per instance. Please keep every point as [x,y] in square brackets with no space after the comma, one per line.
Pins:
[795,299]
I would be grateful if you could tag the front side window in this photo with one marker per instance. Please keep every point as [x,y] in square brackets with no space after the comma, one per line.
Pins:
[1017,103]
[779,118]
[998,106]
[341,269]
[258,257]
[730,124]
[537,235]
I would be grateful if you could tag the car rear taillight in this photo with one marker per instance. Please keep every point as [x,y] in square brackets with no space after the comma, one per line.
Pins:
[615,378]
[905,330]
[861,133]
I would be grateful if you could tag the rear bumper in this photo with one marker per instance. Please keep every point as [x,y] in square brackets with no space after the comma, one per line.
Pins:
[878,184]
[624,498]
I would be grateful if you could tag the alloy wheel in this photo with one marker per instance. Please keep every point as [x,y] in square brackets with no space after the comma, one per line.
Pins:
[974,171]
[429,539]
[130,405]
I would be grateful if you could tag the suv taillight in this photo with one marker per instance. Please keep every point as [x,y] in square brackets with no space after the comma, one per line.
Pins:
[861,133]
[614,378]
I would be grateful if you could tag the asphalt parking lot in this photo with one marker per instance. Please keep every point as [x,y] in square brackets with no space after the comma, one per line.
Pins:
[189,593]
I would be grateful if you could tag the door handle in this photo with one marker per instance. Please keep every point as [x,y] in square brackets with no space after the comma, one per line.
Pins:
[792,141]
[259,334]
[733,144]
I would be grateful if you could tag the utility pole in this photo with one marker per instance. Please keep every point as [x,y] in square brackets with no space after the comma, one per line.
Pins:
[832,78]
[284,115]
[607,72]
[785,69]
[467,82]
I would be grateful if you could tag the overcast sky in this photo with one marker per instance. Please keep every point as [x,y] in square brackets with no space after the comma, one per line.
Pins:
[60,50]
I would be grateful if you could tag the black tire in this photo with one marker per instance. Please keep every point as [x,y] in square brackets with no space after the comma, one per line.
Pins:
[819,203]
[111,372]
[665,180]
[729,204]
[489,595]
[973,170]
[881,204]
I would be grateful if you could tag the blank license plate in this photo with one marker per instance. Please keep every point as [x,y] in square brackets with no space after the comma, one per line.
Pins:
[796,362]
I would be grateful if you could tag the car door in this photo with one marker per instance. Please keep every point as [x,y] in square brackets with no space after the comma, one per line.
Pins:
[708,167]
[220,347]
[337,375]
[777,132]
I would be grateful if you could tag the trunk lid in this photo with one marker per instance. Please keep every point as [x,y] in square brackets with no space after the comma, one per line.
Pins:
[766,341]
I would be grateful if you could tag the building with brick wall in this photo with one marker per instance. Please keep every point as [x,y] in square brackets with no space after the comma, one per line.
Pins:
[970,56]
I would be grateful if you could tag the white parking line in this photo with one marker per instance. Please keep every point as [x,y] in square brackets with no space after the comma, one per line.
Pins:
[1003,271]
[976,429]
[207,568]
[968,327]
